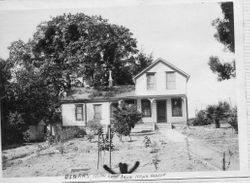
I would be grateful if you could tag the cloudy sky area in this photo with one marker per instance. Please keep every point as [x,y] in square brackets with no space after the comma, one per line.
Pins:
[179,33]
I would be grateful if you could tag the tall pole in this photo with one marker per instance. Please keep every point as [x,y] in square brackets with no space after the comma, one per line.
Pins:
[109,146]
[98,151]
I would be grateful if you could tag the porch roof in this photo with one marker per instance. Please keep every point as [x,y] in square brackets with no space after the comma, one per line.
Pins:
[155,96]
[85,95]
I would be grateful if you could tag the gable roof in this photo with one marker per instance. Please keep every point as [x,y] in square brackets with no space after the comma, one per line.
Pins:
[167,64]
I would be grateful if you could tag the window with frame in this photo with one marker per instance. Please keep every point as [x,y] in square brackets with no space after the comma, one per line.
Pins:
[97,111]
[113,108]
[176,107]
[79,112]
[151,82]
[146,108]
[171,80]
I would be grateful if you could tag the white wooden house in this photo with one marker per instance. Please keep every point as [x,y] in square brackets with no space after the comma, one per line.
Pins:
[160,93]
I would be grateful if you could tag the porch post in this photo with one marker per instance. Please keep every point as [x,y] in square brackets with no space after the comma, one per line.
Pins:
[151,102]
[186,109]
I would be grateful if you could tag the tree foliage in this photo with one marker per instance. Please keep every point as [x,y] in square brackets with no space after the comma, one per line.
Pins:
[224,71]
[5,76]
[64,47]
[225,35]
[125,118]
[219,112]
[87,46]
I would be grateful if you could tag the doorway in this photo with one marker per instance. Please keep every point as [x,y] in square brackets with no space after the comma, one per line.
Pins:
[161,111]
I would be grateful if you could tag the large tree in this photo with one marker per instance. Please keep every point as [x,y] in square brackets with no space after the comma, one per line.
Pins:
[81,45]
[64,47]
[225,35]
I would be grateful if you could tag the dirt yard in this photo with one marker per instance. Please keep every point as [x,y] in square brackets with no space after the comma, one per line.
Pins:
[162,155]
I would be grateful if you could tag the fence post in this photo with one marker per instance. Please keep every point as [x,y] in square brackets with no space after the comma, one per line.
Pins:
[109,145]
[224,161]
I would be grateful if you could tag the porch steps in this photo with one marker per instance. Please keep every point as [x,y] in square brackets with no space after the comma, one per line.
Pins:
[163,125]
[143,127]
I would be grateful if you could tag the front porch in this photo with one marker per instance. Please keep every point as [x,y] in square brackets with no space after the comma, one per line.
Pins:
[159,111]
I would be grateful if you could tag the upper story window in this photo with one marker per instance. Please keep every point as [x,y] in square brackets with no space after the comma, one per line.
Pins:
[176,107]
[146,108]
[79,112]
[98,111]
[151,82]
[171,80]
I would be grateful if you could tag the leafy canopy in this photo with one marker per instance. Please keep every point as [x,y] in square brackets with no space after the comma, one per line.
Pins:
[40,70]
[225,35]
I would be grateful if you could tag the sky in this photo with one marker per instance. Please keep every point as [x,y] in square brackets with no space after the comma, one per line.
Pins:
[180,33]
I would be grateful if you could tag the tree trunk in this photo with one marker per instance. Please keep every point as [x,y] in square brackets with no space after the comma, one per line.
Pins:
[217,123]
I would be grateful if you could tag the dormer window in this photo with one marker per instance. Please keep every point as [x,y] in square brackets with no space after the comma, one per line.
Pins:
[171,80]
[151,82]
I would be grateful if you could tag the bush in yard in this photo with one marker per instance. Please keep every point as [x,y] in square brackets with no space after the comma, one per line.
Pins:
[219,112]
[125,118]
[232,120]
[147,141]
[63,134]
[201,119]
[15,129]
[95,127]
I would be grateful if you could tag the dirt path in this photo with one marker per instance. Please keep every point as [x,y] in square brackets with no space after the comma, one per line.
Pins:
[205,153]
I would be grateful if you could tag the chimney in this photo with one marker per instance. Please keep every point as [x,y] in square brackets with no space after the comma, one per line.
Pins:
[110,79]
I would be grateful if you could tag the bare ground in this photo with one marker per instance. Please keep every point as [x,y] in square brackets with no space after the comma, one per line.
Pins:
[80,154]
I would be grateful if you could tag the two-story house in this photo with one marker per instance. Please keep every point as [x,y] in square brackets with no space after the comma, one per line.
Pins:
[160,93]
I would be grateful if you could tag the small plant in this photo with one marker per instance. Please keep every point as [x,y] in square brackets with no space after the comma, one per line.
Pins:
[154,147]
[147,141]
[156,161]
[4,160]
[50,139]
[26,136]
[95,127]
[90,137]
[233,121]
[61,148]
[226,163]
[105,142]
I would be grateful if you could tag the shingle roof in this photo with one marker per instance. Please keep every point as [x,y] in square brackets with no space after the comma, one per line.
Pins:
[87,94]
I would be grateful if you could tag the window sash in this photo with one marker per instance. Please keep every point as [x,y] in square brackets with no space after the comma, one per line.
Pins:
[176,107]
[79,112]
[146,108]
[171,80]
[97,111]
[151,83]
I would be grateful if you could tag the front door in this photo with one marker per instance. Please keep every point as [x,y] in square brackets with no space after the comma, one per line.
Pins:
[161,111]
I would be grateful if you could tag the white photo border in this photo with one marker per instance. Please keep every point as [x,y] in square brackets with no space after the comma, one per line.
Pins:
[242,55]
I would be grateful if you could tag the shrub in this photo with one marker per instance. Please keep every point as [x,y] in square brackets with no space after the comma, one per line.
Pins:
[105,143]
[13,129]
[125,118]
[66,133]
[232,120]
[201,119]
[90,137]
[156,161]
[218,112]
[154,147]
[95,127]
[147,141]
